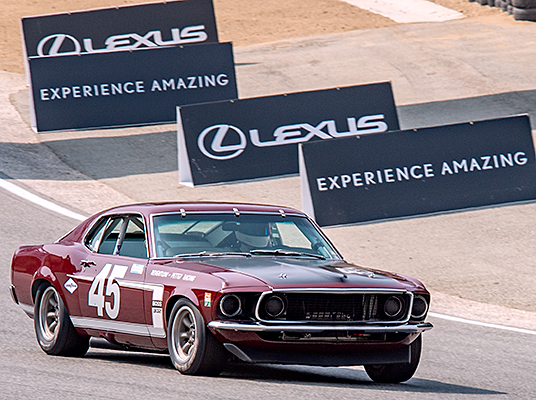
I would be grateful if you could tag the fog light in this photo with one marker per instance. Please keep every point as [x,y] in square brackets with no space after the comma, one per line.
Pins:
[274,306]
[230,305]
[420,307]
[393,306]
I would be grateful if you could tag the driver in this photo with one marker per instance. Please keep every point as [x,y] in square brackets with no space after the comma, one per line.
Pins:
[253,235]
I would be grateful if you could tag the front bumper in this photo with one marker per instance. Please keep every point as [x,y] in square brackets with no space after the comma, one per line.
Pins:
[258,327]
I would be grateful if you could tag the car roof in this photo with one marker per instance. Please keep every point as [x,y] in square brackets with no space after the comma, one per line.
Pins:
[159,208]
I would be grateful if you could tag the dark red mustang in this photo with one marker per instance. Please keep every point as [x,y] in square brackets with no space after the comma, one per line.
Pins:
[210,281]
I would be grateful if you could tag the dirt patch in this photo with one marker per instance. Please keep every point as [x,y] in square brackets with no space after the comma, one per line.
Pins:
[243,22]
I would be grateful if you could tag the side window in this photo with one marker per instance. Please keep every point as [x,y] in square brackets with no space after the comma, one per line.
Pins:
[94,237]
[134,243]
[110,236]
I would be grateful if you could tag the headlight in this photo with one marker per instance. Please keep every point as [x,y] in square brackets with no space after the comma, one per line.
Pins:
[393,306]
[230,305]
[420,307]
[274,306]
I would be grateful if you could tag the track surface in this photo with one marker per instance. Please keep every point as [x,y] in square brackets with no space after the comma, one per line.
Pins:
[458,360]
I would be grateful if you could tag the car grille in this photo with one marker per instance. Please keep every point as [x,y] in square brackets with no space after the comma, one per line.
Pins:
[335,307]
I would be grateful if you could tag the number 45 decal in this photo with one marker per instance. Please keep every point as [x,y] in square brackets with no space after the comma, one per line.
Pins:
[96,291]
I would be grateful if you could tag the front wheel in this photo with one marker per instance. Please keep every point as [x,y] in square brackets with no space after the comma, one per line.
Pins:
[396,373]
[192,347]
[53,328]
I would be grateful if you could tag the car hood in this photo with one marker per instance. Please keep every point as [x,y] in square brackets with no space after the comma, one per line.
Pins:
[280,271]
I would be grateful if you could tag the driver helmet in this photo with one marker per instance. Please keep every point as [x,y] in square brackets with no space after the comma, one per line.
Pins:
[255,234]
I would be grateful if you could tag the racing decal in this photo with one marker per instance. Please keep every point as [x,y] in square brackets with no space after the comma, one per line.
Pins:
[137,269]
[70,285]
[208,299]
[96,298]
[96,291]
[112,326]
[157,328]
[173,275]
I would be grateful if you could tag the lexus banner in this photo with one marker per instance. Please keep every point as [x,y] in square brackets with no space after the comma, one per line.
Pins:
[120,28]
[100,32]
[422,171]
[129,88]
[258,137]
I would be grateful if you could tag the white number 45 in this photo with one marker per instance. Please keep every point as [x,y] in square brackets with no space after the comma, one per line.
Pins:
[96,291]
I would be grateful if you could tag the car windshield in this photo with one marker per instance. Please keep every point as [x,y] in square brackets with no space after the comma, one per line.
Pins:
[201,235]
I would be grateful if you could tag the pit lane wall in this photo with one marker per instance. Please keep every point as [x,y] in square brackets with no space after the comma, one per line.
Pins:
[420,171]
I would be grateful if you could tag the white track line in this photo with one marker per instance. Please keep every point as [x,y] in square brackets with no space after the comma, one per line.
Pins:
[485,324]
[18,191]
[408,11]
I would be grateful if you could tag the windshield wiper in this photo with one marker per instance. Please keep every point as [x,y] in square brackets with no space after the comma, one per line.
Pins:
[208,254]
[279,252]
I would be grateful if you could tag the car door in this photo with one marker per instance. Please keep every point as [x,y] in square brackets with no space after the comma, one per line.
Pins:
[111,281]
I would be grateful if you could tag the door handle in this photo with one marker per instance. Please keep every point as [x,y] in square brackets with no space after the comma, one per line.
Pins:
[87,263]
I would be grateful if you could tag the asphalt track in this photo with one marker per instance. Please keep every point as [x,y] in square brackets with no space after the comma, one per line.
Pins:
[442,73]
[459,360]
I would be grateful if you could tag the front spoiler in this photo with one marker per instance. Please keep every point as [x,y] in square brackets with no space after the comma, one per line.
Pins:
[257,327]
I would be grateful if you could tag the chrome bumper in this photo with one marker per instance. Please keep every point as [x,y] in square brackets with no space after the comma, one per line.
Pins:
[257,327]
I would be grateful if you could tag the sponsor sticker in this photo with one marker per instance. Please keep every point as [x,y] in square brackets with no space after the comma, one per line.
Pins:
[159,273]
[70,285]
[189,278]
[137,269]
[208,299]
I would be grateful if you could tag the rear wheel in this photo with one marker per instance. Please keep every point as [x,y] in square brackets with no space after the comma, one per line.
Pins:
[395,373]
[192,347]
[53,328]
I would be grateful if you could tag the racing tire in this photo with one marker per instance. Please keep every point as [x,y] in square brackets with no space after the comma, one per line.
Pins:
[192,347]
[54,330]
[396,373]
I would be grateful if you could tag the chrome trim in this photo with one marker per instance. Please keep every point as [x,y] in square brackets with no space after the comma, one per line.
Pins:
[13,294]
[337,291]
[257,327]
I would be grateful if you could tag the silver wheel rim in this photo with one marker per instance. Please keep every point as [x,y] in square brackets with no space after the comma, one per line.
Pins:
[49,314]
[184,333]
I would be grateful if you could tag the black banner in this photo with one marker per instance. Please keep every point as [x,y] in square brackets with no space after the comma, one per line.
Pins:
[412,172]
[120,28]
[129,88]
[258,137]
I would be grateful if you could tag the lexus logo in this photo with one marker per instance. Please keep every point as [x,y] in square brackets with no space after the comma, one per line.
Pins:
[62,44]
[57,41]
[218,133]
[223,142]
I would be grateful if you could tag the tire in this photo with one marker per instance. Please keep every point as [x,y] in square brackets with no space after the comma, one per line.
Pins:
[192,347]
[396,373]
[524,3]
[524,14]
[54,330]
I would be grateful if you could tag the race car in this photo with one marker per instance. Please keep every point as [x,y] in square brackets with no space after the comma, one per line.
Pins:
[213,282]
